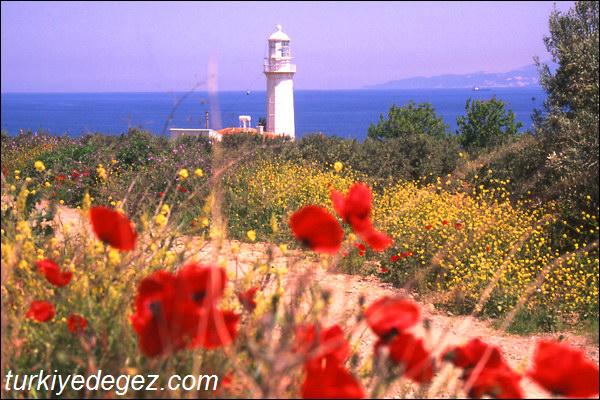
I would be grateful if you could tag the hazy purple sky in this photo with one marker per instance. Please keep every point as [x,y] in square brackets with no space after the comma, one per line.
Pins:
[161,46]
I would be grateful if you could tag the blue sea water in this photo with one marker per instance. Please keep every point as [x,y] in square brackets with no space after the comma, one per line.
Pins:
[343,113]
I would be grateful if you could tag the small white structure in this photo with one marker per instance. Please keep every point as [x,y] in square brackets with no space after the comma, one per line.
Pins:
[280,92]
[177,132]
[245,119]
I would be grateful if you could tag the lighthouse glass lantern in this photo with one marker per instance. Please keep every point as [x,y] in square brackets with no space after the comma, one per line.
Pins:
[280,91]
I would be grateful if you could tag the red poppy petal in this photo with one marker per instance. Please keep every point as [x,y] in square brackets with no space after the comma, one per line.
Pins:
[407,350]
[113,228]
[389,316]
[330,381]
[565,371]
[75,323]
[338,200]
[331,344]
[247,299]
[317,229]
[41,311]
[498,383]
[204,284]
[216,328]
[378,241]
[470,354]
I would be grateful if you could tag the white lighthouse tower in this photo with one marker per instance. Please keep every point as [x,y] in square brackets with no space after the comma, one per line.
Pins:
[280,92]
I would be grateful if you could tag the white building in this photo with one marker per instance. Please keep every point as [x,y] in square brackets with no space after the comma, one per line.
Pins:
[280,92]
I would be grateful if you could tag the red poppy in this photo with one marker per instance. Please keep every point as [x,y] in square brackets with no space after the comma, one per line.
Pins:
[494,377]
[444,222]
[468,355]
[164,319]
[498,383]
[317,344]
[384,270]
[76,323]
[330,380]
[394,258]
[389,316]
[247,299]
[355,209]
[192,223]
[160,194]
[177,311]
[326,350]
[317,229]
[203,284]
[410,352]
[428,227]
[361,247]
[53,273]
[41,311]
[217,328]
[458,225]
[564,371]
[226,381]
[113,228]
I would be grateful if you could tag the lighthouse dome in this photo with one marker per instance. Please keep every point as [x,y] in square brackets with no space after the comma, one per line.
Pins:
[278,35]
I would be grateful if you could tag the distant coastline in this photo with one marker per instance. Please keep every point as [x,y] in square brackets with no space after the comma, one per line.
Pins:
[527,76]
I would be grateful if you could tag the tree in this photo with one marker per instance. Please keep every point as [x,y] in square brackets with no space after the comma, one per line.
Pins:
[409,120]
[569,123]
[486,123]
[573,44]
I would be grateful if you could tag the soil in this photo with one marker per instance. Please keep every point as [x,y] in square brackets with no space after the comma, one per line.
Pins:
[444,330]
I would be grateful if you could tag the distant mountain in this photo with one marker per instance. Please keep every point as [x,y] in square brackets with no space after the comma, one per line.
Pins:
[525,76]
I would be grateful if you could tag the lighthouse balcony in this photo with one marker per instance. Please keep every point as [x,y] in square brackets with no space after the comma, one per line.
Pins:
[279,66]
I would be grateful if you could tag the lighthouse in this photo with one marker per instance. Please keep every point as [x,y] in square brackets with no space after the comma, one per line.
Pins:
[280,91]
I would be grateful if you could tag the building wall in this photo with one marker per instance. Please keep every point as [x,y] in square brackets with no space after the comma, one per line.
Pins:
[280,104]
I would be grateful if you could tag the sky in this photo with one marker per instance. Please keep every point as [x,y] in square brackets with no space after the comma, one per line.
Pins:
[171,46]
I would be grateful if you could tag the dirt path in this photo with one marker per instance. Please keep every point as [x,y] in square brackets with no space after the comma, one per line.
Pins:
[445,330]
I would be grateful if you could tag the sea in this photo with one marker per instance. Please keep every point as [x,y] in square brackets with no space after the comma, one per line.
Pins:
[342,113]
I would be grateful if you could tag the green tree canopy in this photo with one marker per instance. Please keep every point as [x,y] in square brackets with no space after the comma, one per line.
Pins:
[573,44]
[486,123]
[569,122]
[409,120]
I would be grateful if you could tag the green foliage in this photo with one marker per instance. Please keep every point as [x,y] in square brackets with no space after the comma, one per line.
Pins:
[409,120]
[136,149]
[573,43]
[486,123]
[527,322]
[568,127]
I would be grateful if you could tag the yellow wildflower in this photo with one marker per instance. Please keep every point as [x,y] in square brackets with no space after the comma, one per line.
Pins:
[39,166]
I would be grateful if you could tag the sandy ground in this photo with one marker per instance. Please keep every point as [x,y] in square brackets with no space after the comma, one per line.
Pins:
[444,330]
